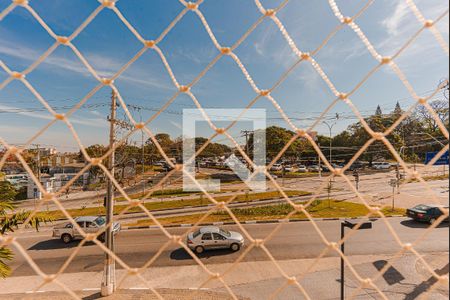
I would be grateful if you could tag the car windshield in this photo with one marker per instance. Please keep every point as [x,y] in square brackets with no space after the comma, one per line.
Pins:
[100,221]
[196,234]
[422,207]
[225,233]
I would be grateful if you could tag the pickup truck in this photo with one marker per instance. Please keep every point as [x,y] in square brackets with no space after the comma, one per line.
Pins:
[67,233]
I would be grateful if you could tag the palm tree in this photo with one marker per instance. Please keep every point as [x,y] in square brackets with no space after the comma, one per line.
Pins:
[9,220]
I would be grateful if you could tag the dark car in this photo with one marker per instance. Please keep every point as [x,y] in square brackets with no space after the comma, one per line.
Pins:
[356,166]
[426,213]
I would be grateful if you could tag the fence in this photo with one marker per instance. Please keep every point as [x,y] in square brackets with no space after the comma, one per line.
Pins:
[225,50]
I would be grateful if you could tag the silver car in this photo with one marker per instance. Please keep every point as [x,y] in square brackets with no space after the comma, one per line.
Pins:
[210,238]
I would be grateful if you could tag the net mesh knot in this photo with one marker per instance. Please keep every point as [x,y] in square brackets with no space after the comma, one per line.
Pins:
[407,247]
[269,12]
[192,6]
[20,2]
[63,40]
[96,161]
[429,23]
[150,43]
[107,81]
[225,50]
[264,93]
[220,130]
[139,126]
[60,117]
[184,89]
[347,20]
[305,56]
[386,60]
[17,75]
[108,3]
[378,136]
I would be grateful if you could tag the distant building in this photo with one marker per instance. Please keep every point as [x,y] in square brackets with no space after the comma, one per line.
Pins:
[17,180]
[45,151]
[47,182]
[58,160]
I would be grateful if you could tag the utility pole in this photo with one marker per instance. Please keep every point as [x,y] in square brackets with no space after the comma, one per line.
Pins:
[320,162]
[38,170]
[247,134]
[109,277]
[143,156]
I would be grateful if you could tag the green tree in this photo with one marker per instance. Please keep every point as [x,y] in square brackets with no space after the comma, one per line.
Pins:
[276,140]
[164,141]
[378,112]
[212,150]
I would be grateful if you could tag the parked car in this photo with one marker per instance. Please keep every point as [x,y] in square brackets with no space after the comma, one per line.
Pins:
[276,167]
[381,166]
[67,233]
[356,166]
[302,169]
[426,213]
[315,168]
[325,168]
[290,169]
[212,237]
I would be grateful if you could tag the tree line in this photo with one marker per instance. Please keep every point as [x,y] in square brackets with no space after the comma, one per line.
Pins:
[413,138]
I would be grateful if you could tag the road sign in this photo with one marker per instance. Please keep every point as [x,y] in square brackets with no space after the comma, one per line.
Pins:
[444,160]
[393,182]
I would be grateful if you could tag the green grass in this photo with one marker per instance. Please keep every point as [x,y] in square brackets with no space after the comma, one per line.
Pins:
[158,194]
[200,201]
[322,209]
[429,178]
[296,174]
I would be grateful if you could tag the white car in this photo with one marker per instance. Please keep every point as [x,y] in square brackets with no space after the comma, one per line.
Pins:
[67,233]
[315,168]
[276,167]
[290,169]
[302,169]
[381,166]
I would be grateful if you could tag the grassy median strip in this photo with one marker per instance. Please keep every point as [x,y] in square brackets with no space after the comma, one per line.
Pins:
[172,204]
[158,194]
[321,209]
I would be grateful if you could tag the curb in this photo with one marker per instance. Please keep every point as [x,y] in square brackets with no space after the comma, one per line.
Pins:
[254,222]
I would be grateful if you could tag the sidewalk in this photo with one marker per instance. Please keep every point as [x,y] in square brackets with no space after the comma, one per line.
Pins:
[408,279]
[127,295]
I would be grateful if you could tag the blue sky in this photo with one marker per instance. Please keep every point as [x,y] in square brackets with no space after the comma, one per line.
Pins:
[107,45]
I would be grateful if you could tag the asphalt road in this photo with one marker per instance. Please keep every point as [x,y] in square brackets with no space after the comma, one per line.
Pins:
[293,241]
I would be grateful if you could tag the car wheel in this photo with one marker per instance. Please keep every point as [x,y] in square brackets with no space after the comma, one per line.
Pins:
[235,247]
[102,238]
[432,221]
[66,238]
[199,249]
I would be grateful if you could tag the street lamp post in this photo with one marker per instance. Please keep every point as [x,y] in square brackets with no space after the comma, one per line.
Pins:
[363,226]
[330,127]
[394,183]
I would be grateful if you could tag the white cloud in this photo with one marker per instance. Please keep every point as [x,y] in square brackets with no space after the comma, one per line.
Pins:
[97,122]
[393,22]
[104,66]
